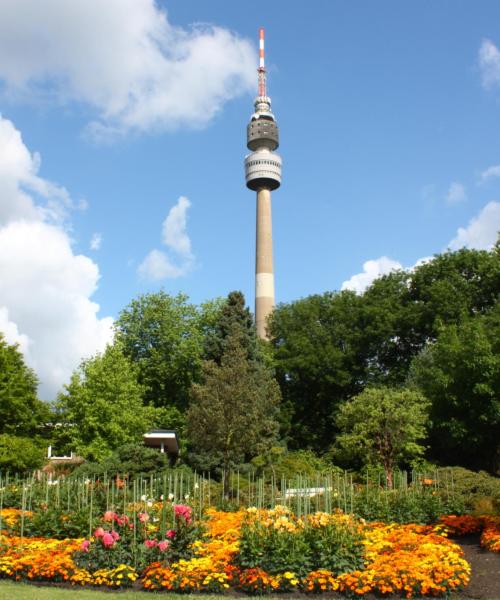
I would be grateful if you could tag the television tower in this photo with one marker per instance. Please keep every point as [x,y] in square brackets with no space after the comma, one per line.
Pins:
[263,174]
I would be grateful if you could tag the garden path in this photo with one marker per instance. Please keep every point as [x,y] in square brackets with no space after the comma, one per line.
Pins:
[485,577]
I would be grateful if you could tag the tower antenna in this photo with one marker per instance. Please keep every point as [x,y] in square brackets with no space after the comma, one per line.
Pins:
[262,67]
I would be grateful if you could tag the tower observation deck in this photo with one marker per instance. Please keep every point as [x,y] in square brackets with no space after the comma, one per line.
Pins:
[263,174]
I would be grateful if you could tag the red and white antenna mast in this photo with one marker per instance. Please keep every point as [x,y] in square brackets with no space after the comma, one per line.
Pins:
[262,68]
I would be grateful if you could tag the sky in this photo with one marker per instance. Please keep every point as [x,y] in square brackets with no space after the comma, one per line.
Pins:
[122,139]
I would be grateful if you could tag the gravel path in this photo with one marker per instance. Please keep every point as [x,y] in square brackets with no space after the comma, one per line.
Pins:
[485,576]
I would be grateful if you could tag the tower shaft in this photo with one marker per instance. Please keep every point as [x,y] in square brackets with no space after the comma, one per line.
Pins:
[264,274]
[263,174]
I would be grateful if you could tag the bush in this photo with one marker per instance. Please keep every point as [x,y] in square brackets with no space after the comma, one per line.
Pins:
[18,454]
[281,543]
[479,490]
[130,459]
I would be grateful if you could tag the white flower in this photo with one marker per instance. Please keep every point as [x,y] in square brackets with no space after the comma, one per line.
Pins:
[161,497]
[149,503]
[186,497]
[170,496]
[196,486]
[144,497]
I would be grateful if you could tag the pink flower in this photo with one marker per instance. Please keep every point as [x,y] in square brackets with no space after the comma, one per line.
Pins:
[85,546]
[170,534]
[109,515]
[143,517]
[108,540]
[150,543]
[183,511]
[99,532]
[163,545]
[116,535]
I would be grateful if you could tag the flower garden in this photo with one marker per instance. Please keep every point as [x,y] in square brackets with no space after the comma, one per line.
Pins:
[160,545]
[323,552]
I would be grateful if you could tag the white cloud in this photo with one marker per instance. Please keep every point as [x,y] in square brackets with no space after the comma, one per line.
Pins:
[489,64]
[372,269]
[174,233]
[124,59]
[490,173]
[456,193]
[158,265]
[96,241]
[482,231]
[45,289]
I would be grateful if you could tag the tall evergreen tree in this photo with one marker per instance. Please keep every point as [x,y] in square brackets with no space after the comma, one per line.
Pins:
[233,313]
[233,414]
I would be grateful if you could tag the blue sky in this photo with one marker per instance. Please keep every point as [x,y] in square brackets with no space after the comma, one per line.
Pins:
[388,116]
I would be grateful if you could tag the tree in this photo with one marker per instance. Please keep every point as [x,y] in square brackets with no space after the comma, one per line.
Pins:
[102,405]
[316,353]
[382,426]
[232,313]
[233,413]
[163,335]
[18,454]
[20,408]
[460,375]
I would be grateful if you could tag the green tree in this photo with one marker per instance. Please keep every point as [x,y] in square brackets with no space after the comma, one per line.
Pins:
[318,363]
[233,313]
[382,426]
[102,406]
[460,374]
[233,413]
[163,335]
[20,408]
[18,454]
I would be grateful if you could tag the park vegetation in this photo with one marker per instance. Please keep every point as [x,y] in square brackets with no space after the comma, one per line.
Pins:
[405,375]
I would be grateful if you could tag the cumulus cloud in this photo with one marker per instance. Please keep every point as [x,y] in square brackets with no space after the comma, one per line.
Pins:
[490,173]
[45,289]
[482,231]
[372,269]
[95,241]
[489,64]
[159,265]
[456,193]
[124,59]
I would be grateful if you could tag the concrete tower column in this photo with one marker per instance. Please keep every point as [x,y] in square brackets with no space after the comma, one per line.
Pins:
[263,174]
[264,274]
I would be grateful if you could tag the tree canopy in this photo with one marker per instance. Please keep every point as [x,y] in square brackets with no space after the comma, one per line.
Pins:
[20,408]
[233,412]
[382,427]
[102,405]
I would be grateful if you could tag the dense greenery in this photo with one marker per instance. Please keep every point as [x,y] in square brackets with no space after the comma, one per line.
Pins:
[382,426]
[434,330]
[233,413]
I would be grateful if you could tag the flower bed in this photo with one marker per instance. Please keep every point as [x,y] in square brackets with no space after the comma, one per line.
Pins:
[409,560]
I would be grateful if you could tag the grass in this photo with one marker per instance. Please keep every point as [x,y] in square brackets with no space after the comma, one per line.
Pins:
[25,591]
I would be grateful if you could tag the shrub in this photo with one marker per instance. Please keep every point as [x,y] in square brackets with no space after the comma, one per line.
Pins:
[18,454]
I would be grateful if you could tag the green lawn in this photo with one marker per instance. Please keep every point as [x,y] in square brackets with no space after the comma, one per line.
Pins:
[23,591]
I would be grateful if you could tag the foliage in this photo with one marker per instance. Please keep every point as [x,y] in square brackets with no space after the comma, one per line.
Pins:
[329,347]
[276,541]
[20,409]
[163,336]
[102,405]
[232,416]
[460,374]
[233,314]
[287,465]
[18,454]
[133,459]
[317,365]
[382,426]
[53,522]
[475,488]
